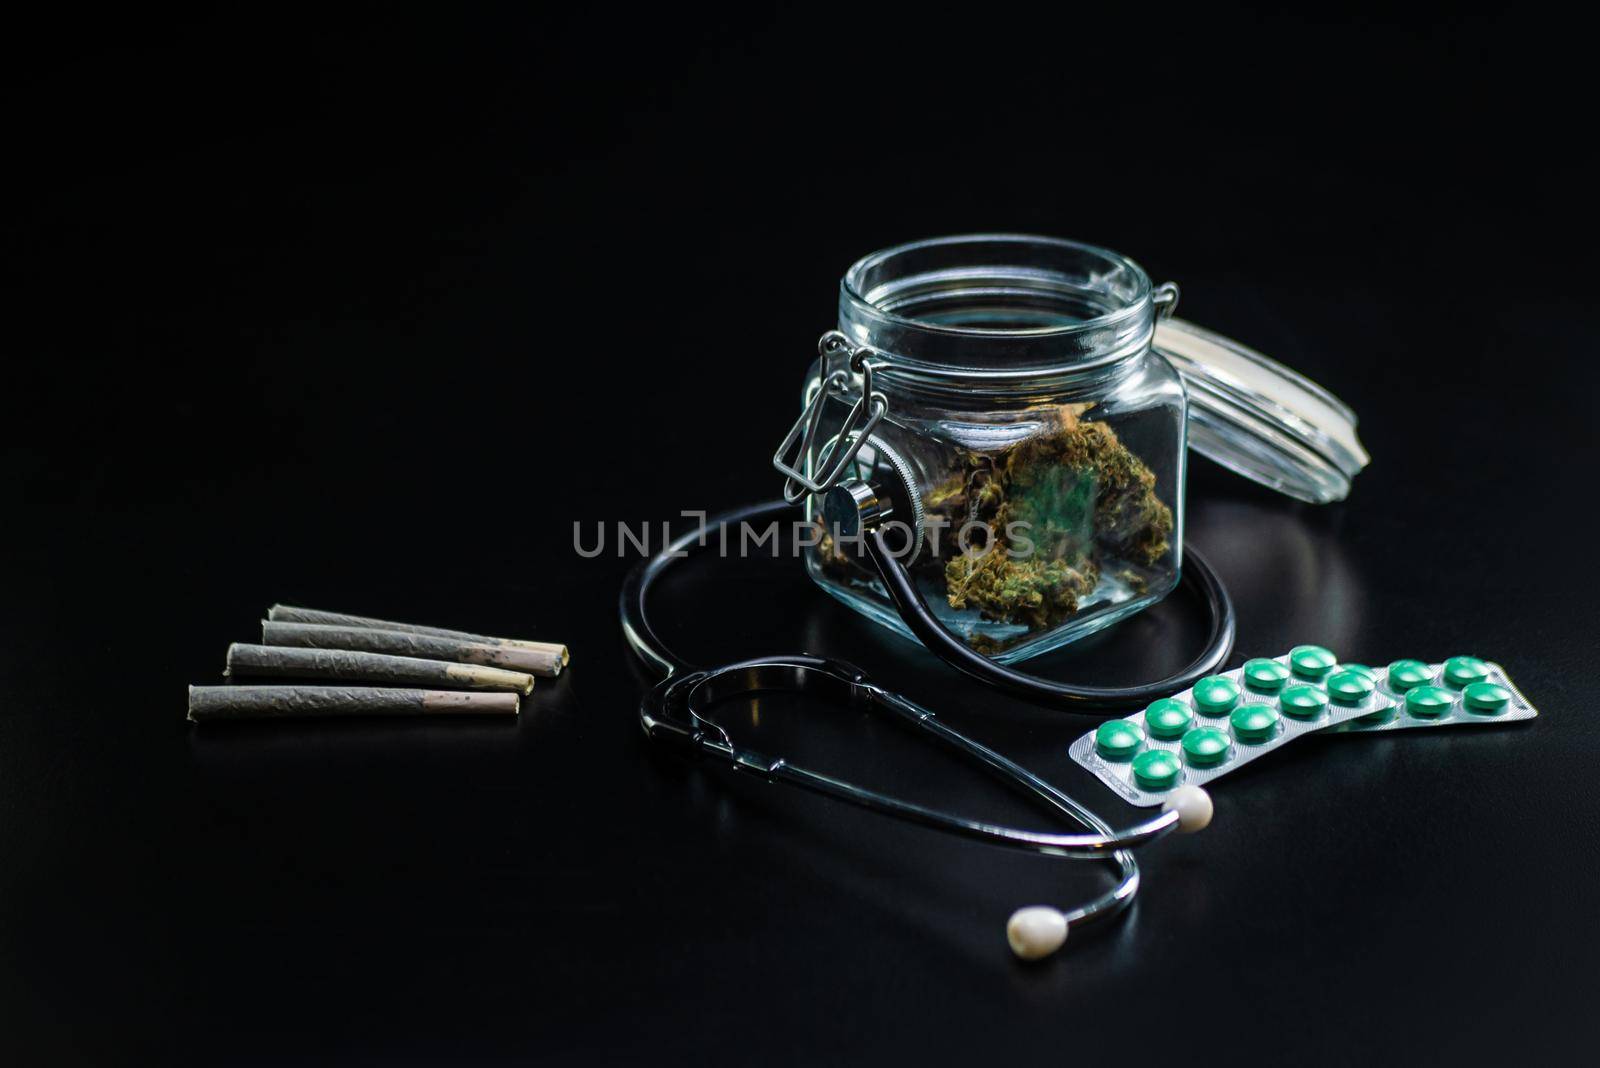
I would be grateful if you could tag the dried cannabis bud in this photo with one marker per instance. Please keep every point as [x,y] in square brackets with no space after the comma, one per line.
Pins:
[1082,500]
[1054,512]
[1035,592]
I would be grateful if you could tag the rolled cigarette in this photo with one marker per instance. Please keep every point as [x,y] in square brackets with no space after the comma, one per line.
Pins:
[250,660]
[271,702]
[283,613]
[400,643]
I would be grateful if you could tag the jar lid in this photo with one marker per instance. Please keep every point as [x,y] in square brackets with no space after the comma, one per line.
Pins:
[1260,419]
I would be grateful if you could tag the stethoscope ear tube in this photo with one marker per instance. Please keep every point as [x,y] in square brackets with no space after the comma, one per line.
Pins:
[1049,693]
[677,710]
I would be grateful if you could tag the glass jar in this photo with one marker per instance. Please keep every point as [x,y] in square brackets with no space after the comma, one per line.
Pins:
[1035,442]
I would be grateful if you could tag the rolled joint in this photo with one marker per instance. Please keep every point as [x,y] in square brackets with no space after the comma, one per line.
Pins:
[283,702]
[349,666]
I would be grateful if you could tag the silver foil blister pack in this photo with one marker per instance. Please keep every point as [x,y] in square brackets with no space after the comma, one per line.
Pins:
[1243,745]
[1462,709]
[1462,690]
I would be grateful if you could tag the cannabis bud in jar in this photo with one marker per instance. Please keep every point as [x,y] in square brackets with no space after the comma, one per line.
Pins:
[1063,508]
[1026,413]
[1028,534]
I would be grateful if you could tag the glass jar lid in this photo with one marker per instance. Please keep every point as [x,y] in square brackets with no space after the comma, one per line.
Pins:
[1260,419]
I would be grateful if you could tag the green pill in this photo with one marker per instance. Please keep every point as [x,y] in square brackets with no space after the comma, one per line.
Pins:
[1429,702]
[1347,686]
[1404,674]
[1360,669]
[1302,701]
[1156,769]
[1118,739]
[1265,676]
[1254,723]
[1462,671]
[1311,661]
[1216,695]
[1167,718]
[1486,698]
[1205,747]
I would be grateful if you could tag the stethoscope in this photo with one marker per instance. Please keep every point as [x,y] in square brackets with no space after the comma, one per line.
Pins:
[678,710]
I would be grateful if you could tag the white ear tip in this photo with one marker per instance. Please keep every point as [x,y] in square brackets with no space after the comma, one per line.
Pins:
[1193,806]
[1036,931]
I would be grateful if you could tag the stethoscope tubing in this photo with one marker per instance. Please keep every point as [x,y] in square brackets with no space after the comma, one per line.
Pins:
[1089,700]
[674,710]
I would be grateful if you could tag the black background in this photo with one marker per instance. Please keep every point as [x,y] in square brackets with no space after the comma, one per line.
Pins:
[365,311]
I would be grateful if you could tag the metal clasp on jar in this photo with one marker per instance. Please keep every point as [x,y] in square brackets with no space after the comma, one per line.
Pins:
[1165,299]
[864,417]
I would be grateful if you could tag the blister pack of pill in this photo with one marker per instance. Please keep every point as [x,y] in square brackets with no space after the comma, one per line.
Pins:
[1221,723]
[1460,691]
[1227,720]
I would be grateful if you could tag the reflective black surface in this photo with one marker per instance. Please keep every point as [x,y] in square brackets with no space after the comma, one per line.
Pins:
[367,313]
